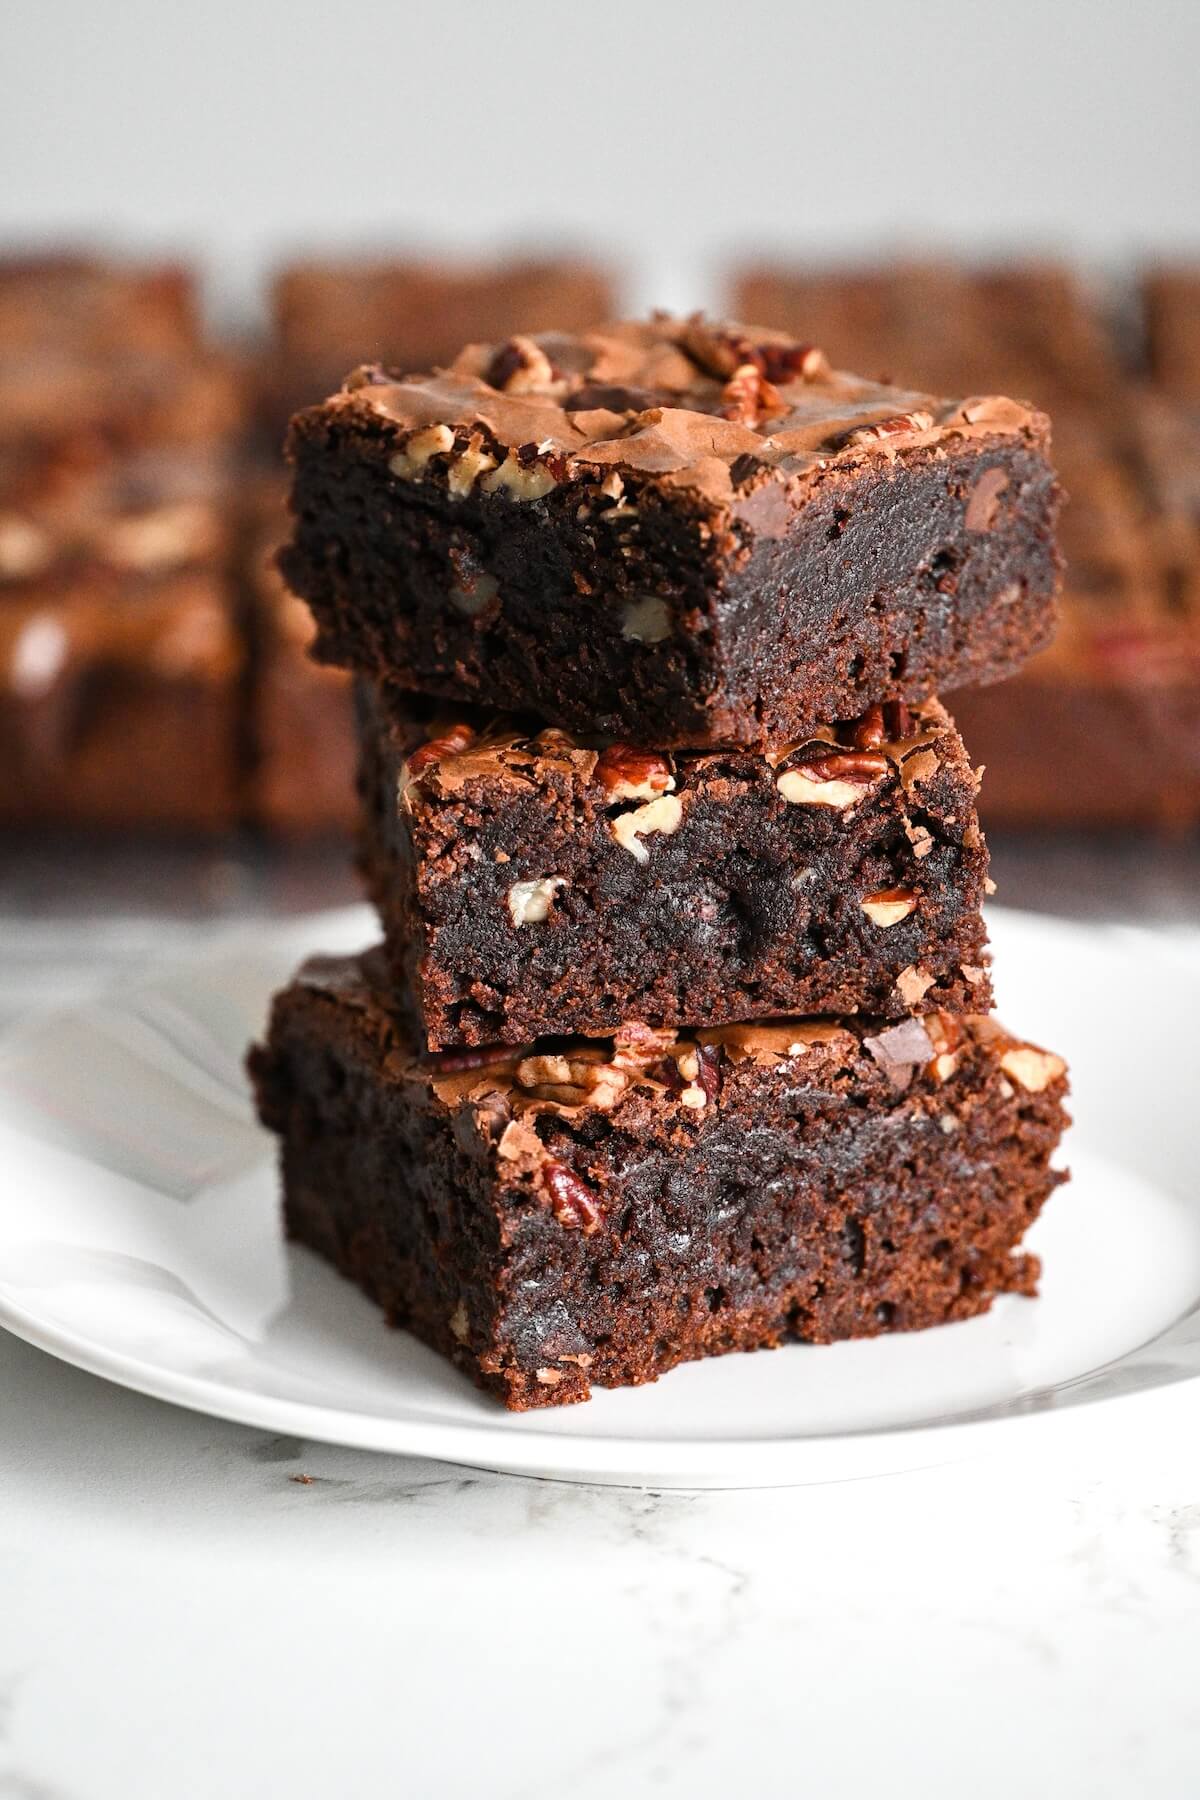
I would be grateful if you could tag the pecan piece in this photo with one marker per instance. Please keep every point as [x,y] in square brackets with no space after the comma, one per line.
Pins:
[529,902]
[722,352]
[897,718]
[792,362]
[708,1071]
[867,731]
[834,778]
[907,424]
[748,396]
[629,774]
[859,766]
[889,905]
[1032,1069]
[521,366]
[663,814]
[451,742]
[693,1074]
[646,621]
[571,1200]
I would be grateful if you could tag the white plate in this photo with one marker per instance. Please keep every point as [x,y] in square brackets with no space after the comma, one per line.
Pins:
[139,1239]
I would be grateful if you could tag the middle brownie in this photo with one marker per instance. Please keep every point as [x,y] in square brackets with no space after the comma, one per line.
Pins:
[531,884]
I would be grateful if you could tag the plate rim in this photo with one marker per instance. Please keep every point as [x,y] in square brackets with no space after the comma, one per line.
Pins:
[768,1461]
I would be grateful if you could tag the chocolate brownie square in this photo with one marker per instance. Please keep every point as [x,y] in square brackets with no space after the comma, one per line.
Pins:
[121,663]
[1171,298]
[585,1213]
[672,533]
[90,306]
[529,883]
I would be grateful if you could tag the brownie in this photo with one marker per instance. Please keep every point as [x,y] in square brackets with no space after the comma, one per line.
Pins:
[584,1212]
[301,726]
[530,884]
[1171,297]
[1104,736]
[1112,708]
[671,533]
[117,405]
[121,663]
[95,306]
[328,316]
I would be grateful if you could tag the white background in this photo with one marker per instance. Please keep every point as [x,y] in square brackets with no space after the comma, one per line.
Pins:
[665,132]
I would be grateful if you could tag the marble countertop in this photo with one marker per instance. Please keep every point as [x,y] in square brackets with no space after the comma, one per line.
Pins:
[190,1608]
[193,1609]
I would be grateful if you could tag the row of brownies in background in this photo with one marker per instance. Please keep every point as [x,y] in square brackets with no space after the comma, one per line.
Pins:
[153,668]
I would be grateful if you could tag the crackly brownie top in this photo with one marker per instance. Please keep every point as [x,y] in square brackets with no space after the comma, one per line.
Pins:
[730,413]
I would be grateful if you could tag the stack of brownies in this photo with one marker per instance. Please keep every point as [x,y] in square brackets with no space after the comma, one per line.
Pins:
[678,1041]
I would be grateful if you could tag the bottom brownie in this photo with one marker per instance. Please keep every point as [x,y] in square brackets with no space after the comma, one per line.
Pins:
[588,1212]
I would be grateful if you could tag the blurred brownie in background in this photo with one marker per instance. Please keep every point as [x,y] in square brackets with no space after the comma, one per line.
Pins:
[122,663]
[88,306]
[301,725]
[118,404]
[330,315]
[1103,728]
[1171,300]
[120,659]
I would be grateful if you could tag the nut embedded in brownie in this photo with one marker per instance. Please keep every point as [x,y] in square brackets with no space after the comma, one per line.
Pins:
[673,533]
[529,883]
[579,1212]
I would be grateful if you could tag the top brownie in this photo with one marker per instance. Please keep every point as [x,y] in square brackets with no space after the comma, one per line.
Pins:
[677,533]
